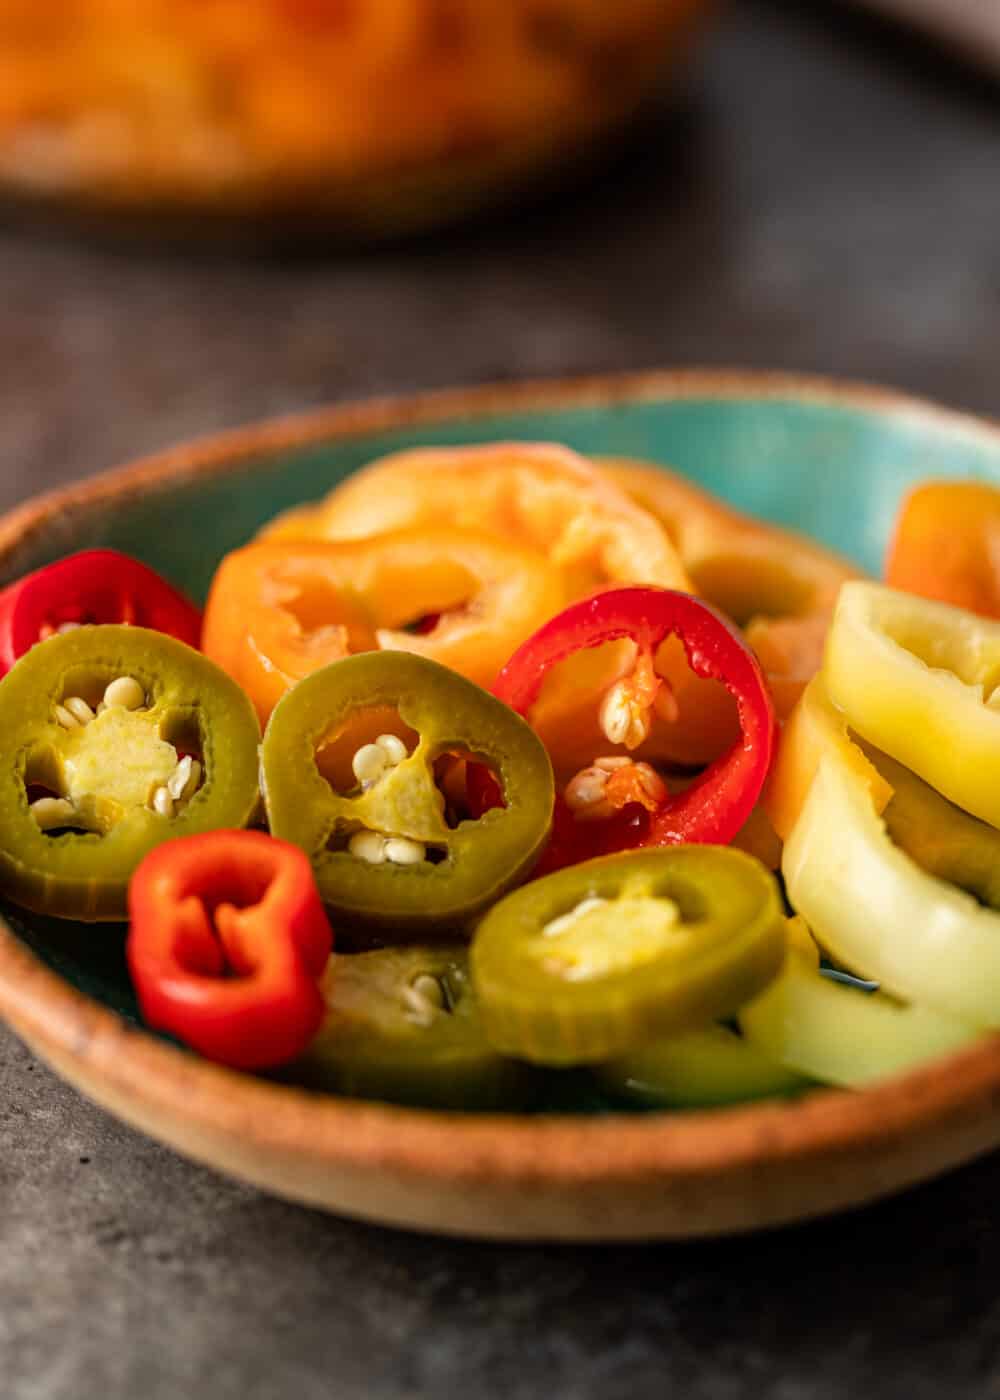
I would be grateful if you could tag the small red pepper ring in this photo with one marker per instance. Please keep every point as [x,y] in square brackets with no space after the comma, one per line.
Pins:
[96,585]
[228,941]
[716,805]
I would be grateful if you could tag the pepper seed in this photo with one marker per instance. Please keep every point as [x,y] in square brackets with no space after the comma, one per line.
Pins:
[393,748]
[64,717]
[79,709]
[400,850]
[369,763]
[178,779]
[163,803]
[127,692]
[586,789]
[51,812]
[423,999]
[368,846]
[622,719]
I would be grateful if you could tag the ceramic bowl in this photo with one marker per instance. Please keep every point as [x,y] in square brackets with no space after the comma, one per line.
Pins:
[830,459]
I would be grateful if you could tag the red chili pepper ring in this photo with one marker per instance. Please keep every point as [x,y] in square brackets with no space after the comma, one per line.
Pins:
[639,812]
[96,585]
[227,943]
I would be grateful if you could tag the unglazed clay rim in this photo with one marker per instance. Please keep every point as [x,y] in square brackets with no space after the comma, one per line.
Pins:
[56,1018]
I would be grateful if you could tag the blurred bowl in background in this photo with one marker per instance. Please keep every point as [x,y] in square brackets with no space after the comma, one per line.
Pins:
[374,116]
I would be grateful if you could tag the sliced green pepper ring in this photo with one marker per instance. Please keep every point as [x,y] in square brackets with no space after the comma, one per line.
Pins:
[113,739]
[403,1025]
[698,1069]
[599,958]
[383,850]
[843,1036]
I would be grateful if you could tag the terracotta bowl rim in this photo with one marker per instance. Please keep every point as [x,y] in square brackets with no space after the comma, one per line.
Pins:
[59,1019]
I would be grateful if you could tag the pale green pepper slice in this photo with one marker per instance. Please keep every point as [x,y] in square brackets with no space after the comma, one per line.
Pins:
[706,1068]
[841,1035]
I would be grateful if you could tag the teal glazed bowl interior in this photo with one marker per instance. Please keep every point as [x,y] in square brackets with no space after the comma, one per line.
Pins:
[827,459]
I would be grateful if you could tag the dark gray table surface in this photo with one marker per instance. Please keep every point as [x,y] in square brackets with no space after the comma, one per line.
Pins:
[814,200]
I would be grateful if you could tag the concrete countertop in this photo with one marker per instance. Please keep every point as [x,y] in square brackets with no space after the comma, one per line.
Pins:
[816,199]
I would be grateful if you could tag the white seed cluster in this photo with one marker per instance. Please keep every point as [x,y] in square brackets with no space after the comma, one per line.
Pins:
[182,784]
[586,792]
[623,718]
[376,849]
[373,761]
[126,693]
[74,712]
[423,999]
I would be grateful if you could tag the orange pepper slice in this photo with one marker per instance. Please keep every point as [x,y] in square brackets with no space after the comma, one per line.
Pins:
[539,494]
[946,545]
[281,609]
[775,583]
[557,501]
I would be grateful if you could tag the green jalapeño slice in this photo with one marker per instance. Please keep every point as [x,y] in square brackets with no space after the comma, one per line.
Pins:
[595,960]
[113,739]
[403,1025]
[371,808]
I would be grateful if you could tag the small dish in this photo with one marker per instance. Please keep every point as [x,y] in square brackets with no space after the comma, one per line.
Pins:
[831,459]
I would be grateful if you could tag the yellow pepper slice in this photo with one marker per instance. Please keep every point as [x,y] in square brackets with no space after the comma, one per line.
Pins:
[777,584]
[872,907]
[919,679]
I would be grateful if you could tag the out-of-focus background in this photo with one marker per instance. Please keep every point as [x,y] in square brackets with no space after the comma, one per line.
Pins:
[810,189]
[186,245]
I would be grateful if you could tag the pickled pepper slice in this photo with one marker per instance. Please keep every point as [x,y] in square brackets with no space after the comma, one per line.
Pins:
[112,740]
[615,803]
[777,584]
[94,586]
[227,944]
[402,1024]
[379,835]
[946,545]
[698,1069]
[596,960]
[279,611]
[540,494]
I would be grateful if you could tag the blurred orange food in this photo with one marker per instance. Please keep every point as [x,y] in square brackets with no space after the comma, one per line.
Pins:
[250,102]
[946,545]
